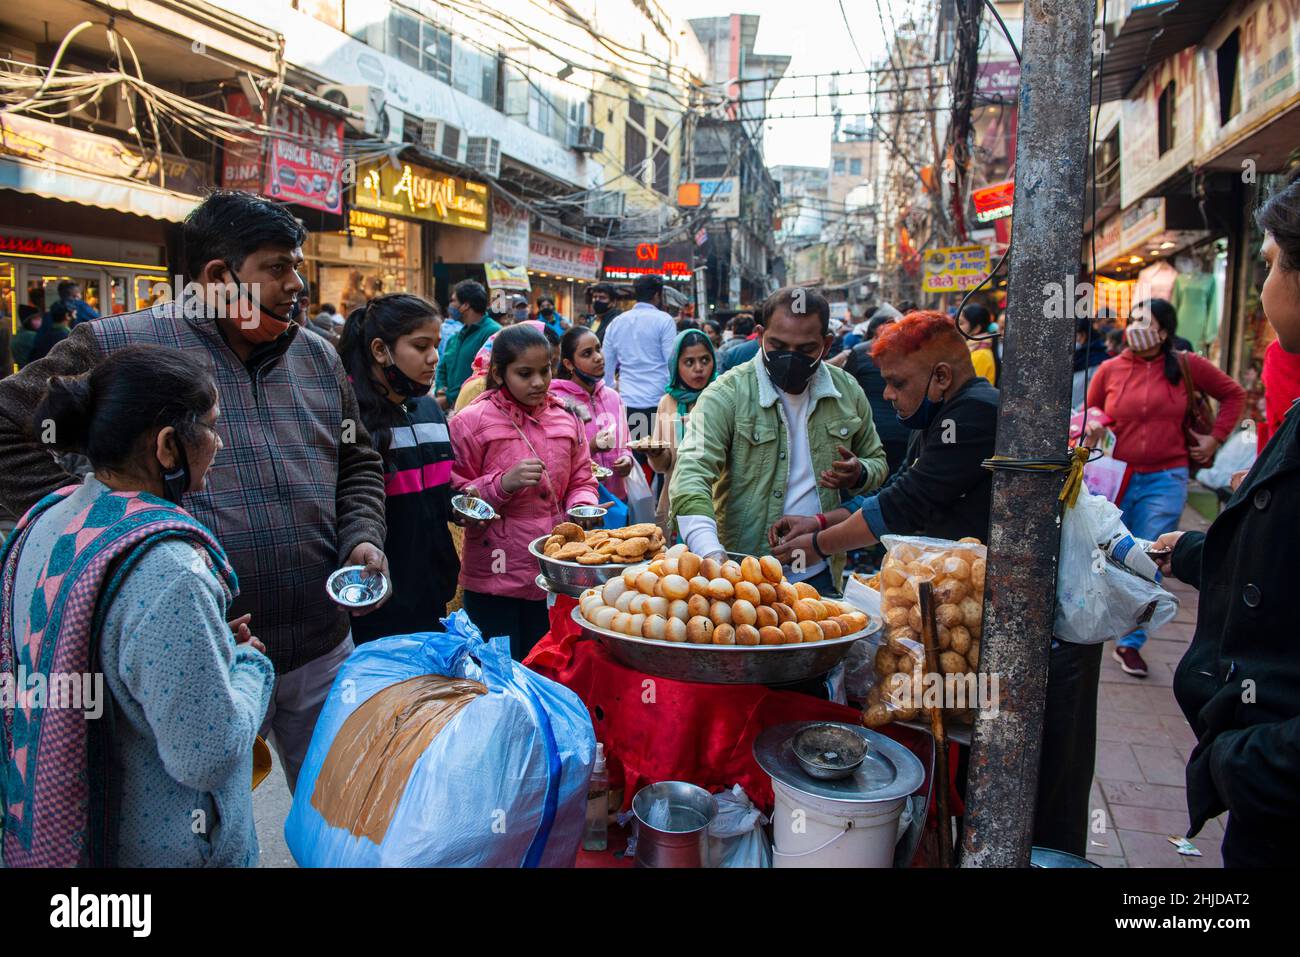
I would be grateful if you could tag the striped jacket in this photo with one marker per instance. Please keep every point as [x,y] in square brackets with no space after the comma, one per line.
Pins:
[295,489]
[421,555]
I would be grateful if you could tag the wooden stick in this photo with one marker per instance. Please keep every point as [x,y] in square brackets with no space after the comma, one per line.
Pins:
[929,633]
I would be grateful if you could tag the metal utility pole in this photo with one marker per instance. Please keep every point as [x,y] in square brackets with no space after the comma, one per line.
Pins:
[1020,607]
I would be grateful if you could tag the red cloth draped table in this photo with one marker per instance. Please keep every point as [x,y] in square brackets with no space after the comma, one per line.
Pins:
[659,729]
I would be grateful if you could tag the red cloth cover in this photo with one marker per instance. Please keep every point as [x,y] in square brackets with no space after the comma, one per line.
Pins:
[658,729]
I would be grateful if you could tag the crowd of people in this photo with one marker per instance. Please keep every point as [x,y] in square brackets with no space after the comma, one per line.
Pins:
[234,461]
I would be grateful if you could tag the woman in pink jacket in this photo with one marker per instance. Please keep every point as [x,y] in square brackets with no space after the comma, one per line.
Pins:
[517,448]
[580,386]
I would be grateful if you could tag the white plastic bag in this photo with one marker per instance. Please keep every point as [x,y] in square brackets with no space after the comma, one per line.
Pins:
[1098,594]
[860,661]
[736,835]
[640,500]
[1236,454]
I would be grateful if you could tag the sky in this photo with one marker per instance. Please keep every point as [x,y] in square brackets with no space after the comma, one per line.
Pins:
[813,34]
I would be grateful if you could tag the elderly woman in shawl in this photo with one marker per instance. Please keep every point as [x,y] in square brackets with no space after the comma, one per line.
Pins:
[113,580]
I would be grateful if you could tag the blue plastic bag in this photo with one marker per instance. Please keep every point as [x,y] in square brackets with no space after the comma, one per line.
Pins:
[503,784]
[616,517]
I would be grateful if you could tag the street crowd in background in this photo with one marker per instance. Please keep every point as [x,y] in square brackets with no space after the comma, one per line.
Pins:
[187,485]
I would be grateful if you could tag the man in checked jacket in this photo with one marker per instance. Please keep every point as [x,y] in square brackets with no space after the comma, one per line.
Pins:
[296,492]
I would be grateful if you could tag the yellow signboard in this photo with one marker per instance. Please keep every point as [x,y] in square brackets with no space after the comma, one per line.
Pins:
[955,268]
[422,193]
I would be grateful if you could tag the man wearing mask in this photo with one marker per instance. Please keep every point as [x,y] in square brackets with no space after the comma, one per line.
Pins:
[603,311]
[764,439]
[298,491]
[547,314]
[469,304]
[639,347]
[518,309]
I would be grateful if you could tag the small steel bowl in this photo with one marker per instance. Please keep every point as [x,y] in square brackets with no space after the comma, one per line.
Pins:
[600,472]
[587,512]
[353,587]
[474,508]
[829,751]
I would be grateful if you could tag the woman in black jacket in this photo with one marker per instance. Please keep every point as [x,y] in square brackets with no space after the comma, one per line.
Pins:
[1239,682]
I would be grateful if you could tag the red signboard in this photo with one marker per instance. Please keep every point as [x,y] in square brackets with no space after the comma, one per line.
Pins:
[302,162]
[994,202]
[34,247]
[672,261]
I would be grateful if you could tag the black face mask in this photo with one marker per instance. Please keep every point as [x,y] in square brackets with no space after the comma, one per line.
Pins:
[790,371]
[600,308]
[176,482]
[403,384]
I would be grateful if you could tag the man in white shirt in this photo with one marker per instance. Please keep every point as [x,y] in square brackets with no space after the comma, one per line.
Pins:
[638,351]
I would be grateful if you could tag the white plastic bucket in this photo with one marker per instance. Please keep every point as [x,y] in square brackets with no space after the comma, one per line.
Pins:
[814,832]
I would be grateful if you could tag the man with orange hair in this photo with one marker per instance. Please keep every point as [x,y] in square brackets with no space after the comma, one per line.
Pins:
[942,490]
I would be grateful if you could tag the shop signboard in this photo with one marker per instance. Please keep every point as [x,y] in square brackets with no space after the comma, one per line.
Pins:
[994,202]
[1143,166]
[418,192]
[305,159]
[721,197]
[301,164]
[955,268]
[559,256]
[1141,223]
[1109,242]
[672,261]
[998,78]
[1267,74]
[367,225]
[509,232]
[60,147]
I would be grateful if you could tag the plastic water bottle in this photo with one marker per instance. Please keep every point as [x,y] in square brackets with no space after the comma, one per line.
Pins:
[595,837]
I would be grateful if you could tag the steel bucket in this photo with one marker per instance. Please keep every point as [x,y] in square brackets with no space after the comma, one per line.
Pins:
[679,836]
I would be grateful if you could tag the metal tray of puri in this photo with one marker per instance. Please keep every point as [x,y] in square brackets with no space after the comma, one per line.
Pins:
[726,664]
[570,578]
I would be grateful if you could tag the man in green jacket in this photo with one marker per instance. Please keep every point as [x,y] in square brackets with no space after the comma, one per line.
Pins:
[469,303]
[765,438]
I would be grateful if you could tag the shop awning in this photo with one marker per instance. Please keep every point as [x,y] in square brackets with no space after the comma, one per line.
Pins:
[138,199]
[1152,33]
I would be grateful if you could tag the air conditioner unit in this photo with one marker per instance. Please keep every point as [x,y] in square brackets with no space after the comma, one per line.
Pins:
[441,138]
[586,139]
[110,109]
[364,99]
[484,154]
[605,204]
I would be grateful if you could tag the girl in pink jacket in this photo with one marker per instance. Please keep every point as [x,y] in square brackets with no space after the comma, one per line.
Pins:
[581,387]
[517,448]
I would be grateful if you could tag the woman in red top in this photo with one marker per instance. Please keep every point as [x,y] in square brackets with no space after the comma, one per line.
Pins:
[1142,390]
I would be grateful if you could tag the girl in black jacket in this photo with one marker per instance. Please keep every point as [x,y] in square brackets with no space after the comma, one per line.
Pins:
[1239,683]
[390,350]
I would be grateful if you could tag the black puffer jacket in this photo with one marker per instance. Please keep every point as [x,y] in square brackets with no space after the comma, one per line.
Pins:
[1239,683]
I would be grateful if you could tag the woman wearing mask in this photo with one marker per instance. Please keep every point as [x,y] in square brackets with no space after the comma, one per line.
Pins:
[118,580]
[517,448]
[390,350]
[695,365]
[1143,392]
[580,386]
[1239,682]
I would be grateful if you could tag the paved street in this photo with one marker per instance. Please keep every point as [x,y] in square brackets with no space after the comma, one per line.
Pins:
[1142,750]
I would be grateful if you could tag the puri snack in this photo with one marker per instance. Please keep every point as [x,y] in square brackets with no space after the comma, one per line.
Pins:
[956,573]
[675,599]
[605,546]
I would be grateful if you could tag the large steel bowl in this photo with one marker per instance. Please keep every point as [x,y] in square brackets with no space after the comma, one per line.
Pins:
[570,578]
[725,664]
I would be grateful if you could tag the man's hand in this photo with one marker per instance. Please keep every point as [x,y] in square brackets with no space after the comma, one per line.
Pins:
[798,547]
[1237,478]
[788,526]
[623,466]
[1203,449]
[376,562]
[525,474]
[1166,543]
[242,635]
[846,472]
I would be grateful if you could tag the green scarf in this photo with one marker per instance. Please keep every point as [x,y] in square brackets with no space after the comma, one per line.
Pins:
[676,388]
